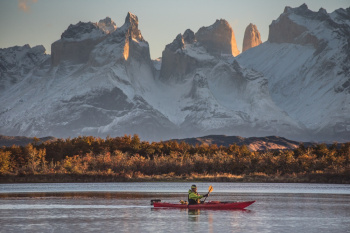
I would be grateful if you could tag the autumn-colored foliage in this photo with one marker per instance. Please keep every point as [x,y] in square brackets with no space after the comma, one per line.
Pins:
[128,156]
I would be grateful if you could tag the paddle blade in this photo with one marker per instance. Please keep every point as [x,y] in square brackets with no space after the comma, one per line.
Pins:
[210,188]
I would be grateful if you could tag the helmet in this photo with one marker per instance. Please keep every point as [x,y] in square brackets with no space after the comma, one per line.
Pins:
[193,186]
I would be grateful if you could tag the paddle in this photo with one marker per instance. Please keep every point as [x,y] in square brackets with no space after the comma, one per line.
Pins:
[209,191]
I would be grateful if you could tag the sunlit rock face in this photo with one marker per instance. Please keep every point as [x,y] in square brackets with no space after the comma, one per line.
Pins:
[124,43]
[251,37]
[107,25]
[135,45]
[99,43]
[218,38]
[190,50]
[132,24]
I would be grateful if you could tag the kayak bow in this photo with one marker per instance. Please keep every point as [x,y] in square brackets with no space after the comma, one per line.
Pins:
[209,205]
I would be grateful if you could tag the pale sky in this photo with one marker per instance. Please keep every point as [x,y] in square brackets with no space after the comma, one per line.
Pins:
[41,22]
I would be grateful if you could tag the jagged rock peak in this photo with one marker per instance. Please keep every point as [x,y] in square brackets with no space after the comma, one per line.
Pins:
[15,48]
[132,23]
[13,55]
[342,16]
[286,29]
[189,36]
[344,12]
[175,60]
[132,19]
[300,10]
[218,38]
[297,25]
[107,25]
[304,11]
[82,31]
[178,43]
[21,51]
[322,11]
[252,37]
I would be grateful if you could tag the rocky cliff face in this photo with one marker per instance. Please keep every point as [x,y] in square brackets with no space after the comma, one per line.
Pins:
[125,42]
[251,37]
[76,43]
[175,62]
[192,50]
[218,38]
[288,29]
[91,43]
[135,45]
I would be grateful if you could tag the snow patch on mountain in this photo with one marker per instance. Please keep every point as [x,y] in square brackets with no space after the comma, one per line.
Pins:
[18,62]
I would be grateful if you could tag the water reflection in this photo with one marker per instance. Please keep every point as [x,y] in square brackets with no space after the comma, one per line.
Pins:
[193,215]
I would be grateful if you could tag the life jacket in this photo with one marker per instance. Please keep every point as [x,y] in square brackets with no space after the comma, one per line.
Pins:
[193,197]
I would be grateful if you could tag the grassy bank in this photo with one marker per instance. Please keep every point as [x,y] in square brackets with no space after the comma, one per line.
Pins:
[252,178]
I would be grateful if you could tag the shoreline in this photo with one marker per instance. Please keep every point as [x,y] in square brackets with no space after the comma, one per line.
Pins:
[100,178]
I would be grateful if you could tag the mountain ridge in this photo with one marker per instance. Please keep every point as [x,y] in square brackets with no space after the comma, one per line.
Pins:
[253,143]
[309,75]
[105,83]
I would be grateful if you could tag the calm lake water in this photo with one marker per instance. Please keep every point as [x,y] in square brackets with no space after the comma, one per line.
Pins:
[125,207]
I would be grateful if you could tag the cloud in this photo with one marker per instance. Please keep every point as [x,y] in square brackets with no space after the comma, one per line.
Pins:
[24,5]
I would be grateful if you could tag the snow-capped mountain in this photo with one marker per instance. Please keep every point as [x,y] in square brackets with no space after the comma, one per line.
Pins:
[307,63]
[19,62]
[100,80]
[212,93]
[94,86]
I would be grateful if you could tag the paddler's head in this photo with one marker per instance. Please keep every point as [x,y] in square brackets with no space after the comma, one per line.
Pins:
[194,188]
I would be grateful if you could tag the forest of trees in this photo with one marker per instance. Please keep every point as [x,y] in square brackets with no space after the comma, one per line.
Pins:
[128,159]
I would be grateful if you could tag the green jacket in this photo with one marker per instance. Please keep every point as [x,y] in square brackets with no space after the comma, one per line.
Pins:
[193,197]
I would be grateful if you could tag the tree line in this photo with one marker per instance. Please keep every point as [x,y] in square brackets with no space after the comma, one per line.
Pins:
[130,157]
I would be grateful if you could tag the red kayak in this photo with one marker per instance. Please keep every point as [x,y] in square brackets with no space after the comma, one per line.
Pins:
[209,205]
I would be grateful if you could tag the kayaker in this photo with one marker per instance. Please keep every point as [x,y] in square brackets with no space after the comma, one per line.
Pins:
[193,197]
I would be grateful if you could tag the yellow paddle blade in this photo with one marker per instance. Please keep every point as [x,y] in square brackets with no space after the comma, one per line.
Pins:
[210,188]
